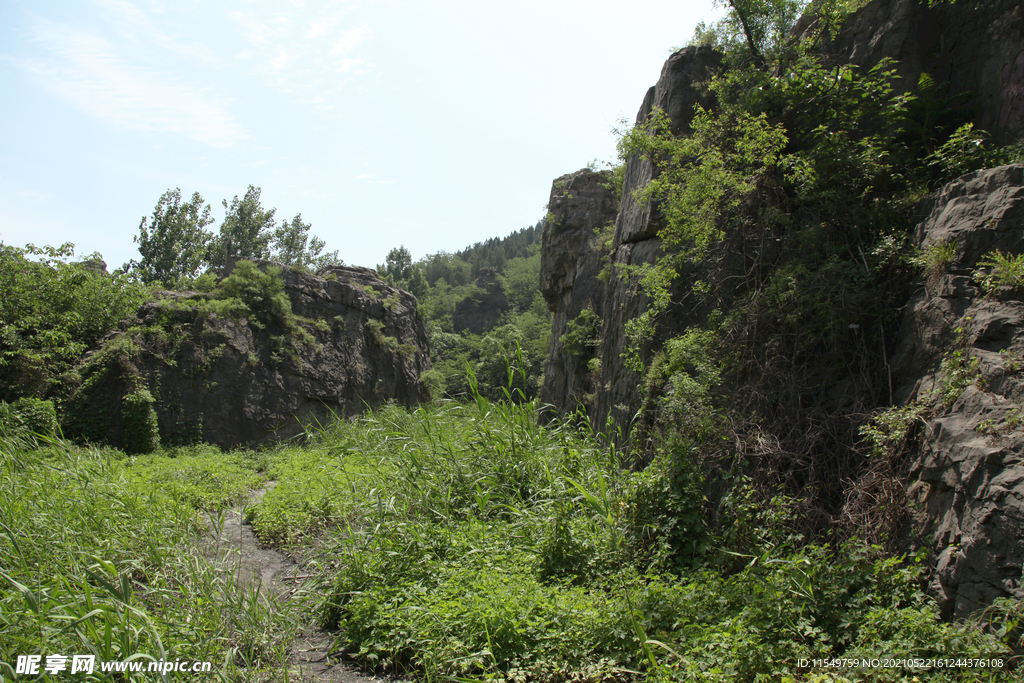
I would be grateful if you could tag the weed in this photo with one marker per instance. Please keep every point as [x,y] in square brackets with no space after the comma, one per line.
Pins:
[959,369]
[998,271]
[937,257]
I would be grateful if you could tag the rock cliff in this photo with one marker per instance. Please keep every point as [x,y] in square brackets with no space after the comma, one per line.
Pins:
[973,50]
[582,210]
[240,367]
[573,256]
[960,351]
[969,473]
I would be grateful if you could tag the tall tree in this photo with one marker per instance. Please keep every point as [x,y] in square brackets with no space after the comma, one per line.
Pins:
[397,264]
[759,28]
[293,245]
[246,231]
[173,242]
[400,271]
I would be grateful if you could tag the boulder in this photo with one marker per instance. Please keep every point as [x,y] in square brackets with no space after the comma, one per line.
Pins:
[247,375]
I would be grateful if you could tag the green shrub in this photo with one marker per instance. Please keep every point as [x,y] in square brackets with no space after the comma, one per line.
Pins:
[262,292]
[139,432]
[433,381]
[959,368]
[663,509]
[29,417]
[584,333]
[966,150]
[51,311]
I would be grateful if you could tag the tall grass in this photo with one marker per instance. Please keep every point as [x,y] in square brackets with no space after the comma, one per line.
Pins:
[480,544]
[455,540]
[99,555]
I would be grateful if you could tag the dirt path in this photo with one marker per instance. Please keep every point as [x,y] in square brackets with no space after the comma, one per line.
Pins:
[313,657]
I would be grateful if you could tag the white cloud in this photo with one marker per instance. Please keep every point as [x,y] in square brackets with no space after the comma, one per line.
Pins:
[351,39]
[317,49]
[367,177]
[87,72]
[136,27]
[281,61]
[321,27]
[39,196]
[319,101]
[259,33]
[346,65]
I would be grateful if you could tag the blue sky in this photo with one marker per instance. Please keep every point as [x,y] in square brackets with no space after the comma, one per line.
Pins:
[428,124]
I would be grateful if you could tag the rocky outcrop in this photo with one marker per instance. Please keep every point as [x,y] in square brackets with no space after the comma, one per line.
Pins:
[483,308]
[974,50]
[970,477]
[582,210]
[682,86]
[573,256]
[246,372]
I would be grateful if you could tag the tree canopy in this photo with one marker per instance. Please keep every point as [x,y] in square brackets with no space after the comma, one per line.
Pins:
[174,241]
[246,231]
[175,246]
[51,311]
[293,245]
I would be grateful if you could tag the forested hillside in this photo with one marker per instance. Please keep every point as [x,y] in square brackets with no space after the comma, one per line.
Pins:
[479,304]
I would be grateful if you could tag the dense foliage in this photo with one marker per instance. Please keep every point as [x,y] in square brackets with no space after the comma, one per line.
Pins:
[787,205]
[464,540]
[444,282]
[52,310]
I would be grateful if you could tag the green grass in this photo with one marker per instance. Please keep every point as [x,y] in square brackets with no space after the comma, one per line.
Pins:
[201,477]
[315,488]
[457,541]
[480,545]
[997,271]
[98,555]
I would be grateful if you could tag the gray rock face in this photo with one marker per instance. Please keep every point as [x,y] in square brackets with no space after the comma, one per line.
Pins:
[482,309]
[239,381]
[582,205]
[970,478]
[680,87]
[975,47]
[572,257]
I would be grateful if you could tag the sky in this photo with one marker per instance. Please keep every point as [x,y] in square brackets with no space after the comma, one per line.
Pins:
[432,125]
